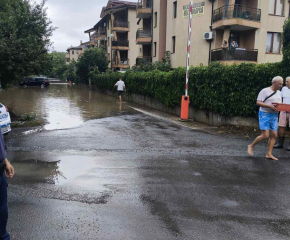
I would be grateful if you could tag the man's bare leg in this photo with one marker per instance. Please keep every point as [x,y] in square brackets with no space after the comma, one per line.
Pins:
[264,135]
[281,131]
[271,142]
[120,98]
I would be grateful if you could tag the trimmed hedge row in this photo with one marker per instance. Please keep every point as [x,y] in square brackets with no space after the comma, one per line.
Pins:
[227,90]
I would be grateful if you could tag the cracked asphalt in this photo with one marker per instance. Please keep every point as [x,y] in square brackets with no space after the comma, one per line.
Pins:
[132,175]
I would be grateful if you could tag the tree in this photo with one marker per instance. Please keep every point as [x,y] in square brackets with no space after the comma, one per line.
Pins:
[25,34]
[286,42]
[58,65]
[93,58]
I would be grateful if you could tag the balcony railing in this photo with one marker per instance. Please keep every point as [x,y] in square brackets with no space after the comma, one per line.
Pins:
[120,43]
[143,60]
[122,61]
[141,33]
[121,24]
[144,4]
[237,11]
[238,54]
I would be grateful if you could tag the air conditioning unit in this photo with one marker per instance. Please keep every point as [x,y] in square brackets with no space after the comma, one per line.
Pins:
[208,36]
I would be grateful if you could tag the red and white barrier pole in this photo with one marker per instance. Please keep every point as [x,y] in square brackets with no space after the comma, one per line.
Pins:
[185,98]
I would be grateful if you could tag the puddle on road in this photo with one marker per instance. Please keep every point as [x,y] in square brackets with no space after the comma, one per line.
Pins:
[65,170]
[63,106]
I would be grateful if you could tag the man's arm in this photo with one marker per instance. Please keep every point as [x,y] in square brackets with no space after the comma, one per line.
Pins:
[261,104]
[9,169]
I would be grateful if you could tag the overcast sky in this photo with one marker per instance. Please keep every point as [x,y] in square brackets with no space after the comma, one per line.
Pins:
[72,18]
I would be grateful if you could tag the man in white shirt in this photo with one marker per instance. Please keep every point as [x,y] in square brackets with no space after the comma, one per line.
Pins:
[120,88]
[284,116]
[268,116]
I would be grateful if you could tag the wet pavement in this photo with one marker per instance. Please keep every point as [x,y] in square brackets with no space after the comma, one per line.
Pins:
[103,171]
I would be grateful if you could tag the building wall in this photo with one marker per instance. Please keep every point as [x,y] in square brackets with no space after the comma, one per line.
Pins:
[109,45]
[178,27]
[269,24]
[134,51]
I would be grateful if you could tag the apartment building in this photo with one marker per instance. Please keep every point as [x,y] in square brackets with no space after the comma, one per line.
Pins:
[116,32]
[136,33]
[255,25]
[73,53]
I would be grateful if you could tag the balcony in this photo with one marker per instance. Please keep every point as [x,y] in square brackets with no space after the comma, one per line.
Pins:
[120,45]
[144,8]
[231,56]
[238,16]
[120,26]
[99,36]
[143,36]
[120,63]
[143,60]
[67,56]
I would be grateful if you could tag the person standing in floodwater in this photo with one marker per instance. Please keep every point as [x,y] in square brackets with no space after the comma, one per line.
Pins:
[6,170]
[120,88]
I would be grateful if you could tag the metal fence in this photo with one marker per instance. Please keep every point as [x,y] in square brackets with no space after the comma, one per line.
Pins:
[239,54]
[144,4]
[141,33]
[237,11]
[120,43]
[121,24]
[122,61]
[143,60]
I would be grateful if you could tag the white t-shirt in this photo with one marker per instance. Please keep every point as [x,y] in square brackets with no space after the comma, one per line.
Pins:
[286,95]
[276,98]
[120,85]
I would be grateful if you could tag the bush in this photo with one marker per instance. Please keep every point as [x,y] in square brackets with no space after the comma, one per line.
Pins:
[227,90]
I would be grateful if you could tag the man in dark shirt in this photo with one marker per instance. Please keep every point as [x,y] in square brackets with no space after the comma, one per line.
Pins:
[7,171]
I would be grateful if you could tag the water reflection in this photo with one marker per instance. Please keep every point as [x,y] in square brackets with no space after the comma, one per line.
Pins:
[62,105]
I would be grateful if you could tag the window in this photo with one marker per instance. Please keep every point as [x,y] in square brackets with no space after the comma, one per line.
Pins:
[155,49]
[273,44]
[108,42]
[73,52]
[108,57]
[155,19]
[173,44]
[108,25]
[175,9]
[276,7]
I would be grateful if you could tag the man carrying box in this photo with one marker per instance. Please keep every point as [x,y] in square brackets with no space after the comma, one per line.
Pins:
[284,116]
[267,99]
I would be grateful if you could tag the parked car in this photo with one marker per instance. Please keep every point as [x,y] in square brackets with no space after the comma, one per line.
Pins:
[35,81]
[4,119]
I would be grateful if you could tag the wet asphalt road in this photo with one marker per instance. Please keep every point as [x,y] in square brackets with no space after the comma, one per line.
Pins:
[133,176]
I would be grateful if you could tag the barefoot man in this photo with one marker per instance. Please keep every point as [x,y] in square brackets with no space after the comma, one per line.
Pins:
[268,116]
[120,88]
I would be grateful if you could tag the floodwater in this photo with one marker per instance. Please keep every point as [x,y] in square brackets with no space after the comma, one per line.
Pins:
[62,106]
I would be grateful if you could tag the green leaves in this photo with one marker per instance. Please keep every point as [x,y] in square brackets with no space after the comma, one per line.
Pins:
[227,90]
[24,39]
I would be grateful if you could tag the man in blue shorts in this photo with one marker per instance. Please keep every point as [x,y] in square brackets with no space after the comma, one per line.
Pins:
[6,170]
[268,116]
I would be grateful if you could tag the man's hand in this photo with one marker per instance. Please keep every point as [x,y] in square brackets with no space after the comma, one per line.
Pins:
[9,170]
[273,107]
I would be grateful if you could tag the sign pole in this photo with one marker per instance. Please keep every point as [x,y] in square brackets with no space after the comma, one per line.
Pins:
[185,98]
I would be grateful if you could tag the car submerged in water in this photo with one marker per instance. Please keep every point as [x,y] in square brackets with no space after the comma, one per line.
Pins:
[5,119]
[35,81]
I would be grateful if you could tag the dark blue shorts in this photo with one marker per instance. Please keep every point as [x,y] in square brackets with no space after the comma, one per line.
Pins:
[120,93]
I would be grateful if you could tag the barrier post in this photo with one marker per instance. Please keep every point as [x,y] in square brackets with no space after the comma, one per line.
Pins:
[185,98]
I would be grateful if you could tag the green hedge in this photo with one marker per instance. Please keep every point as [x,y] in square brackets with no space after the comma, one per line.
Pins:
[227,90]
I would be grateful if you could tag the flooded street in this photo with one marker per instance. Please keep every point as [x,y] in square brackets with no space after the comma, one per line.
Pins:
[61,105]
[101,170]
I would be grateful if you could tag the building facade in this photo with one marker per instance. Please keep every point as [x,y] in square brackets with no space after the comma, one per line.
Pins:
[73,54]
[136,33]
